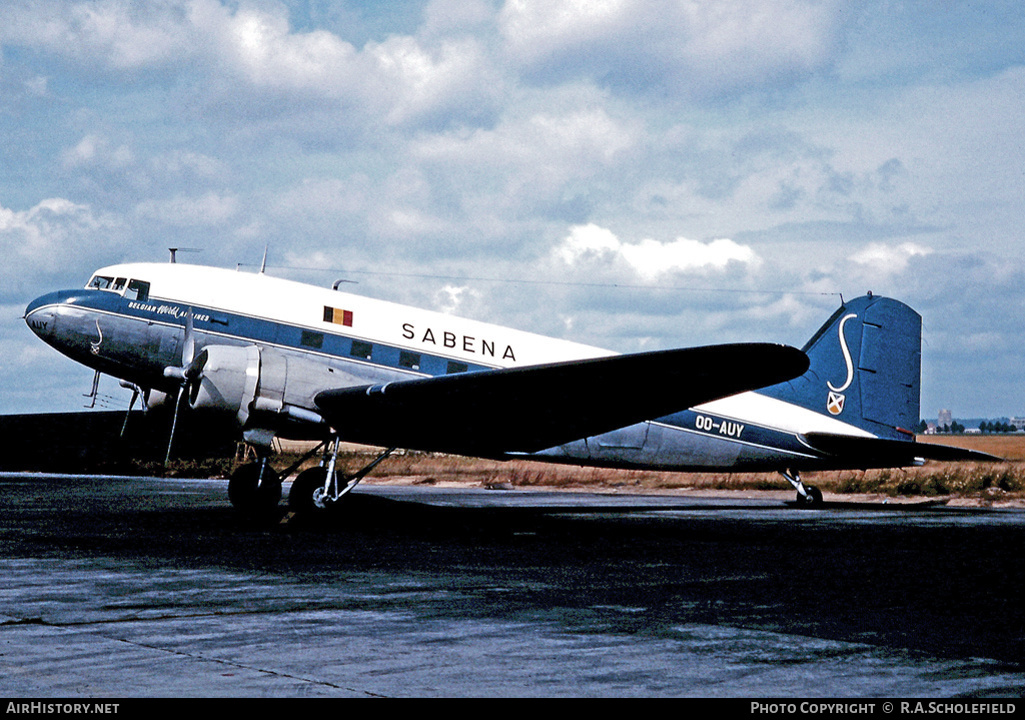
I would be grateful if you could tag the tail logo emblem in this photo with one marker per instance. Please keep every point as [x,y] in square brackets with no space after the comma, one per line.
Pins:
[835,401]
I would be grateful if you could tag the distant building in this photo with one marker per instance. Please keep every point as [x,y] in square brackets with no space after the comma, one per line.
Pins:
[1018,423]
[946,417]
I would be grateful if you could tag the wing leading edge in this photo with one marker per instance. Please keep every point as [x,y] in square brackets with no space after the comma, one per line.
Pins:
[527,409]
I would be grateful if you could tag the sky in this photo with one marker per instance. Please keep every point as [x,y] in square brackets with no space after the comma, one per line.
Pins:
[633,175]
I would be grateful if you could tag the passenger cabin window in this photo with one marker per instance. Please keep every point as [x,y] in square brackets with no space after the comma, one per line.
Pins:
[409,360]
[361,349]
[138,290]
[456,367]
[312,339]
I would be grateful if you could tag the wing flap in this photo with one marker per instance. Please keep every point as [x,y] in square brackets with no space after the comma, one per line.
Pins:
[528,409]
[865,452]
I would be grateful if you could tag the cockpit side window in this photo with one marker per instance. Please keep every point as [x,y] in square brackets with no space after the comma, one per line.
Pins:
[100,282]
[138,290]
[119,285]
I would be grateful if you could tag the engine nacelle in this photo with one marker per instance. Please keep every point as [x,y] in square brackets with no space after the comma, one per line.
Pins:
[250,379]
[229,380]
[154,399]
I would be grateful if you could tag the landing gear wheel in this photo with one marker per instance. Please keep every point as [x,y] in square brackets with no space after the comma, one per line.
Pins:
[812,499]
[254,488]
[307,493]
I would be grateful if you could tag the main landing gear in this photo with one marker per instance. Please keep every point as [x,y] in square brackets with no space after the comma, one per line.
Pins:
[807,495]
[321,489]
[255,488]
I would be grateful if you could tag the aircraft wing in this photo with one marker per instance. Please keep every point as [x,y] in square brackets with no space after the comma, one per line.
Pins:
[865,452]
[492,412]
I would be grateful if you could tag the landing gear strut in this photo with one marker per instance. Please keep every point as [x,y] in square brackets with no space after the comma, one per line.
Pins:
[255,488]
[321,488]
[807,495]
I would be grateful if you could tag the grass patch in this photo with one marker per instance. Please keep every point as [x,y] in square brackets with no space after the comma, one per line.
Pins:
[985,481]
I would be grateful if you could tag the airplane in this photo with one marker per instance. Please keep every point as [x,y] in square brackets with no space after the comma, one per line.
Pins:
[276,358]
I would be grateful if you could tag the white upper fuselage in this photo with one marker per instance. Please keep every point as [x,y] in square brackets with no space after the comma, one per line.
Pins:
[297,304]
[376,321]
[418,330]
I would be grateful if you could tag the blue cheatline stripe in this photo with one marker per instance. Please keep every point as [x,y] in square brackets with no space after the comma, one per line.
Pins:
[272,332]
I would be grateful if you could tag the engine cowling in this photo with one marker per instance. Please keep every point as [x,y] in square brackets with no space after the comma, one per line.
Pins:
[250,379]
[154,399]
[229,382]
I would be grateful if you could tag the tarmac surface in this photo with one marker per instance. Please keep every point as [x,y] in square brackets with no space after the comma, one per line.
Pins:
[140,587]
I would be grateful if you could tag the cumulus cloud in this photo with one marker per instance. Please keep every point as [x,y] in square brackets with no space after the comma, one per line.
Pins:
[528,160]
[889,259]
[421,82]
[211,208]
[258,42]
[457,300]
[45,227]
[251,51]
[49,240]
[110,33]
[650,259]
[680,44]
[95,150]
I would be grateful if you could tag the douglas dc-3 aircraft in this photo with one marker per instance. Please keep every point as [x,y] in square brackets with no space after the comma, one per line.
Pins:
[281,358]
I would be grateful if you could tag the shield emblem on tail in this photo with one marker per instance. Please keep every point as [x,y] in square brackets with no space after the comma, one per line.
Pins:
[834,404]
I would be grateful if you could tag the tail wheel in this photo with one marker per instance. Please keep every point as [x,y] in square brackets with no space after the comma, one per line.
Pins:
[813,498]
[254,488]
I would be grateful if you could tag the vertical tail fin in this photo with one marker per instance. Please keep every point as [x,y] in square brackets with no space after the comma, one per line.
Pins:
[865,368]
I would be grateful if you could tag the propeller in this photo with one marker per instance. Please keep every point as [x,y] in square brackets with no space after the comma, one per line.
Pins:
[188,375]
[136,392]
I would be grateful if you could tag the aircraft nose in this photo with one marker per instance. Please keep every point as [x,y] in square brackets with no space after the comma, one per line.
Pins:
[41,314]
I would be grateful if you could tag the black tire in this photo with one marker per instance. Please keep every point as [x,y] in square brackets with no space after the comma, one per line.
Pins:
[300,497]
[812,499]
[254,488]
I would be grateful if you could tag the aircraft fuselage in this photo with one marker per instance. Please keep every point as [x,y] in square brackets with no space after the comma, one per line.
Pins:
[275,344]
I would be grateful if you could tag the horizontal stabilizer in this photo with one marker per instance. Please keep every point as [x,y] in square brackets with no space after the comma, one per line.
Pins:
[866,452]
[527,409]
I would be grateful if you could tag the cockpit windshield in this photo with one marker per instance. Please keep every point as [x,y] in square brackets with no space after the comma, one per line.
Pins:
[100,282]
[136,289]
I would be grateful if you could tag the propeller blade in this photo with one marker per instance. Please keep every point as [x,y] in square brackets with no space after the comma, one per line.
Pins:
[131,404]
[189,342]
[194,370]
[174,424]
[189,375]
